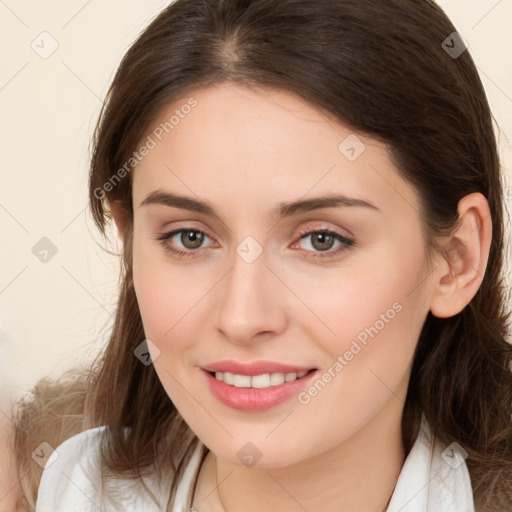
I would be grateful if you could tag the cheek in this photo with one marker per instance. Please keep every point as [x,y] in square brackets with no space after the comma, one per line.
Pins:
[368,359]
[159,295]
[163,303]
[172,298]
[375,313]
[380,297]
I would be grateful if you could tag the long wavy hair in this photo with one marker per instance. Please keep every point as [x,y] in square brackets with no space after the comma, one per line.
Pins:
[385,70]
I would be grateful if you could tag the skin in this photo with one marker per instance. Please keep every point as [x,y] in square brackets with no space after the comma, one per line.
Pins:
[244,152]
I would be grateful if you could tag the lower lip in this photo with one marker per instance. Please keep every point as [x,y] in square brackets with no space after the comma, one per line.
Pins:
[256,399]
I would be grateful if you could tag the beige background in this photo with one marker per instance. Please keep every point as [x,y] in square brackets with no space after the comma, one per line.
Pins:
[56,313]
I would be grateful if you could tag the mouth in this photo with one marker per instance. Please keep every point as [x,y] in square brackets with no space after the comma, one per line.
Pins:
[258,386]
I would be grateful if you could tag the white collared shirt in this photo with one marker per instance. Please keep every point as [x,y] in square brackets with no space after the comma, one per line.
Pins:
[71,480]
[433,478]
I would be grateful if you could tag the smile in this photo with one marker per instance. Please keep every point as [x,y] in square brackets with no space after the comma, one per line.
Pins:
[265,380]
[258,386]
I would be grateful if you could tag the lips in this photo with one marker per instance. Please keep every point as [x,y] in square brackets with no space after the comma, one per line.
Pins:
[233,383]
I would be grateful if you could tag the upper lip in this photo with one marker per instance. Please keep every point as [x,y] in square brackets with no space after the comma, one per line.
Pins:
[254,368]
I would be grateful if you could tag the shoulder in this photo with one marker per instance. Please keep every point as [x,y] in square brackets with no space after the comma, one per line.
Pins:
[73,479]
[71,476]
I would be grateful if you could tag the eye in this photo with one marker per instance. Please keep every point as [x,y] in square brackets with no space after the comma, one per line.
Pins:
[189,238]
[320,245]
[322,241]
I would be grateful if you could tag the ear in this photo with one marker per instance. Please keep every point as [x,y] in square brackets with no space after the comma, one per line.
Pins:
[460,269]
[120,216]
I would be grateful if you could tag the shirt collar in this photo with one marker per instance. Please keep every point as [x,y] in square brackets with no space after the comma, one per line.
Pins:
[434,478]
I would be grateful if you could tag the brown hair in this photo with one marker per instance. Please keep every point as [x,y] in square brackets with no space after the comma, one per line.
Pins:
[379,68]
[52,412]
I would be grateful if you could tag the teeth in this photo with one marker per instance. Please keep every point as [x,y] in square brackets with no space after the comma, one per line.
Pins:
[265,380]
[229,378]
[242,381]
[260,381]
[276,379]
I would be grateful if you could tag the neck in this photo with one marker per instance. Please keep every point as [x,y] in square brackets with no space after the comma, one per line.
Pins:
[359,474]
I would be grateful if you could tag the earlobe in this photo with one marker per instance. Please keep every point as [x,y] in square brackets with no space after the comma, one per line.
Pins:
[120,216]
[461,267]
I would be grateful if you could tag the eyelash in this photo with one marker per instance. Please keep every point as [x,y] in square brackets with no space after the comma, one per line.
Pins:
[347,243]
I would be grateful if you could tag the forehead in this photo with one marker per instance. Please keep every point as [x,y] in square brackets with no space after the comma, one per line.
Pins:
[229,142]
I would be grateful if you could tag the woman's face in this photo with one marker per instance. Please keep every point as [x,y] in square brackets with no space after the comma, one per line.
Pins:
[275,280]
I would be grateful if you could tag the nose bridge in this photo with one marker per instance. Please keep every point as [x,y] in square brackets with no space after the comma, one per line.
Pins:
[248,304]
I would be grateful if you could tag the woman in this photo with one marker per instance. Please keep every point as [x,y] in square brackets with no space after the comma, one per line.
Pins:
[311,313]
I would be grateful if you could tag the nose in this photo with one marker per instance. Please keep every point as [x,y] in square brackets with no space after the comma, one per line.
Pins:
[251,305]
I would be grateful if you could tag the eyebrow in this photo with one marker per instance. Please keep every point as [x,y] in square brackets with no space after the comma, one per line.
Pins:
[285,209]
